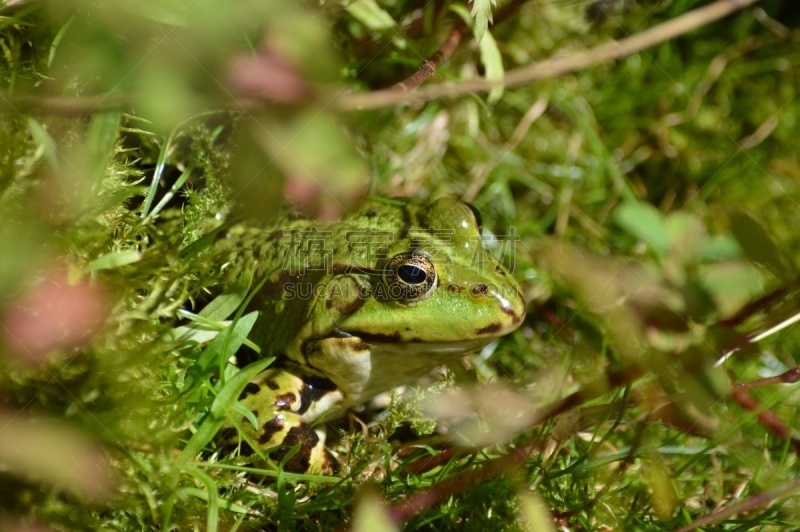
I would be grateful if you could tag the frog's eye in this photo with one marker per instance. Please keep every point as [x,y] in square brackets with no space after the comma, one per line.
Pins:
[410,277]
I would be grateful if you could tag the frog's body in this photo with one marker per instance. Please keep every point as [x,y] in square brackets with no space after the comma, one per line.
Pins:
[354,308]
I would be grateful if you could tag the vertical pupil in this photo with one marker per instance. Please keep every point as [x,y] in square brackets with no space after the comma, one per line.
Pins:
[411,274]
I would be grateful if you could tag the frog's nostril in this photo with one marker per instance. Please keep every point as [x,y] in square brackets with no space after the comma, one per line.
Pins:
[479,290]
[411,274]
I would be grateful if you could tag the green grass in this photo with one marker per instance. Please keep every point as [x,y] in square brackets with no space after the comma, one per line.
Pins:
[653,199]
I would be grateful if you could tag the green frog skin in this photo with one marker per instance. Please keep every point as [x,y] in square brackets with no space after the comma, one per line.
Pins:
[354,308]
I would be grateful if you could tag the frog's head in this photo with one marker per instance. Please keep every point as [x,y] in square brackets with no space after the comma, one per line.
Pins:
[436,290]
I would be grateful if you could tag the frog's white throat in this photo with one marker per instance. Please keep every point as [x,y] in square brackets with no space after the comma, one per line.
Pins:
[364,369]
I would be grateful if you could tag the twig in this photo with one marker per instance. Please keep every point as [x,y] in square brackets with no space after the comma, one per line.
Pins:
[788,377]
[747,505]
[425,499]
[769,420]
[555,66]
[755,306]
[428,68]
[446,51]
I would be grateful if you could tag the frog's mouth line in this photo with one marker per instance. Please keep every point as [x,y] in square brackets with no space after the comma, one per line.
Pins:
[378,339]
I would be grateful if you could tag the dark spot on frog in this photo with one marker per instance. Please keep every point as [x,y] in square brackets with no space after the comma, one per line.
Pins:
[479,289]
[246,450]
[284,401]
[346,307]
[455,289]
[360,345]
[379,338]
[515,318]
[270,428]
[272,385]
[301,461]
[314,388]
[250,389]
[227,435]
[329,467]
[489,329]
[371,213]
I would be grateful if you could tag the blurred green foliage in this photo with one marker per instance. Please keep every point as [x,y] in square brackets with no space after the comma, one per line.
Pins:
[654,198]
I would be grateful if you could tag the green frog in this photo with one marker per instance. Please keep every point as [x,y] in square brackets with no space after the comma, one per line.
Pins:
[354,308]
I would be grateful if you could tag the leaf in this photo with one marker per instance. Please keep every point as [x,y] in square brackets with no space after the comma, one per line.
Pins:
[533,513]
[722,247]
[369,13]
[731,284]
[226,343]
[223,346]
[57,40]
[54,453]
[371,515]
[482,13]
[222,306]
[203,330]
[663,494]
[45,145]
[645,222]
[212,514]
[222,404]
[233,388]
[242,410]
[225,504]
[113,260]
[194,248]
[757,244]
[100,140]
[493,64]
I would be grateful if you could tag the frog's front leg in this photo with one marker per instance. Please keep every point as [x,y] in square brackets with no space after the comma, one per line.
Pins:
[284,404]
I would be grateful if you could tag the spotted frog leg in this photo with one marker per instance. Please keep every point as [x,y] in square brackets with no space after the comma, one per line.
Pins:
[284,403]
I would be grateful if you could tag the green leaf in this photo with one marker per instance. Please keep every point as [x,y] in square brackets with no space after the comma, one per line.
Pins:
[482,13]
[757,244]
[492,63]
[203,330]
[212,514]
[371,515]
[57,40]
[233,388]
[722,247]
[222,404]
[226,343]
[645,222]
[242,410]
[369,13]
[100,140]
[225,504]
[225,304]
[113,260]
[45,145]
[533,513]
[731,284]
[194,248]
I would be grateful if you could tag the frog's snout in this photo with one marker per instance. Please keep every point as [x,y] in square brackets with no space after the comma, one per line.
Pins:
[510,306]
